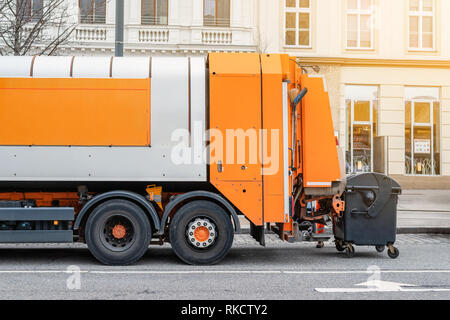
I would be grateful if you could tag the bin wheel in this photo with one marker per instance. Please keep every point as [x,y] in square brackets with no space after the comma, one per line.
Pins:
[320,245]
[393,252]
[339,245]
[379,248]
[350,251]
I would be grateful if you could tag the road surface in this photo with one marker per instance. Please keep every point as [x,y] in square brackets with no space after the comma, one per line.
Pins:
[279,271]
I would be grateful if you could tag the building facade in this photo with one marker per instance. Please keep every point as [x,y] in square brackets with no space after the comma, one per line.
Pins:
[386,63]
[387,66]
[183,27]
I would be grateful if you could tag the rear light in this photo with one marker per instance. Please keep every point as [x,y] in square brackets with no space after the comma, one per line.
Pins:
[337,141]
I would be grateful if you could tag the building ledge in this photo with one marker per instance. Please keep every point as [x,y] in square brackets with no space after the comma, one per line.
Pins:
[376,62]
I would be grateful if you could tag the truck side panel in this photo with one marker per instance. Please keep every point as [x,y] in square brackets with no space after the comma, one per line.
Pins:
[69,126]
[75,112]
[235,104]
[319,144]
[273,169]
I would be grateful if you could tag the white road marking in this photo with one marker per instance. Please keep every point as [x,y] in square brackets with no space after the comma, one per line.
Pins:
[361,290]
[39,271]
[287,272]
[364,271]
[381,286]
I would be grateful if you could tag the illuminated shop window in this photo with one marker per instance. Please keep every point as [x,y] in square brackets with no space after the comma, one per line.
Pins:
[362,123]
[422,131]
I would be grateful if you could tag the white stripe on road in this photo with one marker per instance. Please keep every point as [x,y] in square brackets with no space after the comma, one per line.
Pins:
[39,271]
[311,272]
[365,271]
[361,290]
[188,272]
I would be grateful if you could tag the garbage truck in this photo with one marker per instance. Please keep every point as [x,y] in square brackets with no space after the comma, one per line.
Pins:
[122,153]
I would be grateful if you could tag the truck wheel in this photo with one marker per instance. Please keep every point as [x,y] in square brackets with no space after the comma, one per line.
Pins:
[201,232]
[118,232]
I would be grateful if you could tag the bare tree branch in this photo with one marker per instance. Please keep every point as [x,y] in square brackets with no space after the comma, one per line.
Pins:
[35,26]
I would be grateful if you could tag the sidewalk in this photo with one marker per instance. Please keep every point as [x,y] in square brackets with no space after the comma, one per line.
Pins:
[418,211]
[424,211]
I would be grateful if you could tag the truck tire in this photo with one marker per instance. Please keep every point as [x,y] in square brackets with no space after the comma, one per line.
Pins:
[118,232]
[201,233]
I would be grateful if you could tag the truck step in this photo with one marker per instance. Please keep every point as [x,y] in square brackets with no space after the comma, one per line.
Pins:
[31,225]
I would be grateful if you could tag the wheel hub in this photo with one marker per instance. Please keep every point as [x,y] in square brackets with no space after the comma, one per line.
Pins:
[201,233]
[119,231]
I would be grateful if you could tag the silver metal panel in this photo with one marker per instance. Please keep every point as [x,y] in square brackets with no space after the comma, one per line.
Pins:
[91,67]
[37,214]
[169,99]
[51,67]
[15,67]
[131,67]
[36,236]
[198,107]
[94,164]
[170,111]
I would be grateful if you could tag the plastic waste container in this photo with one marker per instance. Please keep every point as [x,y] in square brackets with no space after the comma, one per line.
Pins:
[370,215]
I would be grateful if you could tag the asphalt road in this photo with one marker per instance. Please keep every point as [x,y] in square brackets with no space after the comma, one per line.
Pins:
[279,271]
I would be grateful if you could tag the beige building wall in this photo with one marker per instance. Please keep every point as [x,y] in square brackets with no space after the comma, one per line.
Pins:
[388,63]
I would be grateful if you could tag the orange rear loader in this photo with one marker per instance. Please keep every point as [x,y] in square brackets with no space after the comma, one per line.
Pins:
[122,153]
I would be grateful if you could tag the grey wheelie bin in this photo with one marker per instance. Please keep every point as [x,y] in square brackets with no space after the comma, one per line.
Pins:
[370,216]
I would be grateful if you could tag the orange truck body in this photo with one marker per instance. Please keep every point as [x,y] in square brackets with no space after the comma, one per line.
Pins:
[90,117]
[53,112]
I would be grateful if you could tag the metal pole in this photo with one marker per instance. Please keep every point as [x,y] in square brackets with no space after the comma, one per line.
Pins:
[119,28]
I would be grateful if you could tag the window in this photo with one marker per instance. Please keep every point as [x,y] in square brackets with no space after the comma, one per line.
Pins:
[216,13]
[359,24]
[154,12]
[421,24]
[92,11]
[362,127]
[297,23]
[30,10]
[422,131]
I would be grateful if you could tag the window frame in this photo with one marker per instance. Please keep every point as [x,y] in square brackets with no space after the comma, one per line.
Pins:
[430,125]
[420,14]
[361,93]
[155,9]
[358,12]
[297,30]
[31,15]
[216,24]
[92,15]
